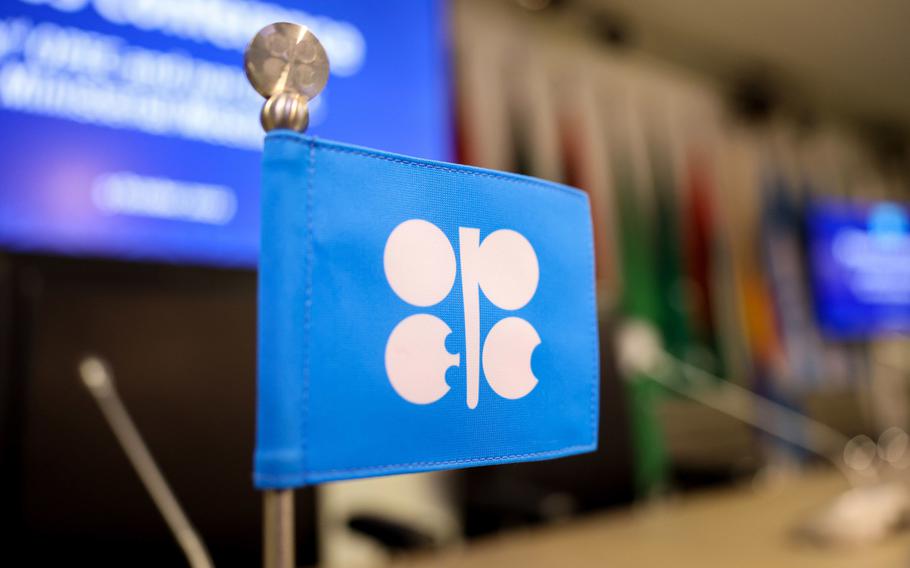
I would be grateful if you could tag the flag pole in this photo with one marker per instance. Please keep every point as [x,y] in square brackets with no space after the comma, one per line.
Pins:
[288,66]
[278,545]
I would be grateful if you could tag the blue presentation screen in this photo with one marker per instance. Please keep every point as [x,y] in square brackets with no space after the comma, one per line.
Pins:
[128,130]
[860,261]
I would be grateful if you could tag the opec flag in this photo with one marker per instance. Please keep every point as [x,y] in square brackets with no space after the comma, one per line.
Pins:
[417,315]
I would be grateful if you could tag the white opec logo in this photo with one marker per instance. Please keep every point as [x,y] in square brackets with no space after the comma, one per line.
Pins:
[420,266]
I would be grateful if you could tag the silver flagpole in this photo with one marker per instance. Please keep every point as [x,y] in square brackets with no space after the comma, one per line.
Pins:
[278,546]
[288,66]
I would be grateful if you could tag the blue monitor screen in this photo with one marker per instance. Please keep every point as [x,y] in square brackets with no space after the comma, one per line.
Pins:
[860,261]
[128,130]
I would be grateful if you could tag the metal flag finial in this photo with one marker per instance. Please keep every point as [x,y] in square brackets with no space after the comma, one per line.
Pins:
[288,66]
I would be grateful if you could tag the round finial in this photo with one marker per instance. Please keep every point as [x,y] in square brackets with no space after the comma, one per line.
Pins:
[285,110]
[286,59]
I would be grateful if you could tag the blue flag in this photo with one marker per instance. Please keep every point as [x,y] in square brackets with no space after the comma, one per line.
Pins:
[417,315]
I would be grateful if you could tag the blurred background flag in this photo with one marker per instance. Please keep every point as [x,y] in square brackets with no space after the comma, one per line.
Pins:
[416,315]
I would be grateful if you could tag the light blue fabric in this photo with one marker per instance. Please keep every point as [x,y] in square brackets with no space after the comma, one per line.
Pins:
[327,409]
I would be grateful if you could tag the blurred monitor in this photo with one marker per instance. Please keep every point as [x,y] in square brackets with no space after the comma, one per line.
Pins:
[128,129]
[860,264]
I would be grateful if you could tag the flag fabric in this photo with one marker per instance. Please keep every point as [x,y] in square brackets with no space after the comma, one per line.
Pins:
[417,315]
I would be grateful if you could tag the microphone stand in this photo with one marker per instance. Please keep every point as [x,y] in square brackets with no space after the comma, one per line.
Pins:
[98,379]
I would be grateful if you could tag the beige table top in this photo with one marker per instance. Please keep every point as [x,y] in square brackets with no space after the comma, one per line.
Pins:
[738,527]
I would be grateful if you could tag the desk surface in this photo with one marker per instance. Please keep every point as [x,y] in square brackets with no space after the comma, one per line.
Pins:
[731,527]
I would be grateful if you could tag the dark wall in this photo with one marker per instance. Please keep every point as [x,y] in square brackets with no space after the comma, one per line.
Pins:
[181,343]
